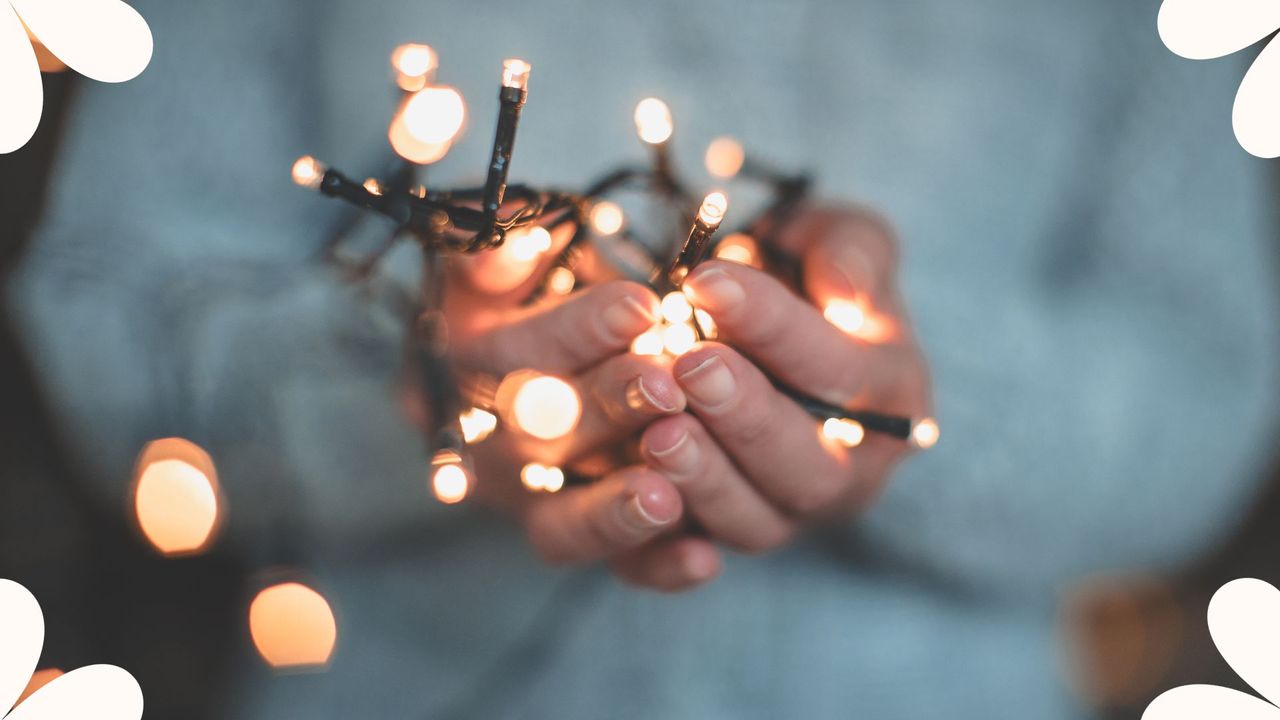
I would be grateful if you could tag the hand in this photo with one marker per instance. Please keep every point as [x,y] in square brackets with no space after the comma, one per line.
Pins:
[751,465]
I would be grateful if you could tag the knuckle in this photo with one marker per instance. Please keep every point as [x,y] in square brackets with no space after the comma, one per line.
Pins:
[752,423]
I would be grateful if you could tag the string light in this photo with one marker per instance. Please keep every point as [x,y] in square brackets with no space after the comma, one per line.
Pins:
[653,121]
[710,215]
[434,114]
[740,248]
[292,626]
[543,406]
[561,281]
[713,208]
[606,217]
[415,66]
[308,172]
[649,343]
[846,315]
[724,157]
[925,433]
[705,323]
[477,425]
[679,339]
[450,480]
[373,186]
[543,478]
[175,496]
[515,73]
[848,433]
[527,245]
[676,308]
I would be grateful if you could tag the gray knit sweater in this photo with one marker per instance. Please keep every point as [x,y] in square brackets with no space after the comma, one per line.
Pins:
[1087,258]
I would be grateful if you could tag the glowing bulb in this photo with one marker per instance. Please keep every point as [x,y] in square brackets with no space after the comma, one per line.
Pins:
[848,433]
[412,149]
[414,64]
[545,478]
[676,308]
[526,245]
[449,479]
[724,157]
[648,342]
[846,315]
[545,407]
[561,281]
[477,425]
[925,433]
[372,186]
[713,208]
[292,626]
[515,73]
[679,339]
[705,322]
[434,114]
[653,121]
[740,248]
[606,217]
[308,172]
[176,496]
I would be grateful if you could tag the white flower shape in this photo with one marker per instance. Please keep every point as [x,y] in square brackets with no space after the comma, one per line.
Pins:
[103,692]
[1244,620]
[102,39]
[1204,29]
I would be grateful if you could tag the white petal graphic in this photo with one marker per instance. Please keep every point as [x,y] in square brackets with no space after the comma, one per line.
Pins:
[1256,115]
[19,86]
[1244,620]
[103,39]
[101,692]
[1208,702]
[21,637]
[1203,29]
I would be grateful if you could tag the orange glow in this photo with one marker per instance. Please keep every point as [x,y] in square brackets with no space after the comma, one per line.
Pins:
[679,339]
[648,343]
[434,114]
[740,248]
[561,281]
[653,121]
[713,208]
[848,433]
[724,157]
[526,244]
[706,323]
[545,478]
[308,172]
[39,679]
[606,217]
[676,308]
[477,425]
[292,626]
[415,65]
[412,149]
[543,406]
[846,315]
[450,480]
[176,496]
[515,73]
[372,186]
[925,433]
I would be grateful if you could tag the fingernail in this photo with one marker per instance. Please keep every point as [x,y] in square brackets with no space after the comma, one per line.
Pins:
[715,290]
[627,318]
[639,517]
[641,399]
[710,383]
[681,456]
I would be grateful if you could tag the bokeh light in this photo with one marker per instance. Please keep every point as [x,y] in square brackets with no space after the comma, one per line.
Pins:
[292,626]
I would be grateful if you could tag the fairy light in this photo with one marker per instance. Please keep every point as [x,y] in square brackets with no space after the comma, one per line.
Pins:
[308,172]
[434,115]
[679,339]
[561,281]
[373,186]
[710,215]
[606,217]
[515,73]
[477,424]
[175,496]
[925,433]
[648,343]
[543,406]
[724,157]
[527,245]
[676,308]
[740,248]
[846,315]
[542,478]
[848,433]
[415,65]
[450,480]
[292,626]
[713,209]
[653,121]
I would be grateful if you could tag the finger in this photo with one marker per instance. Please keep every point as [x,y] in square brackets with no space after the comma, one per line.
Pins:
[617,513]
[584,330]
[714,491]
[769,437]
[848,273]
[788,337]
[670,564]
[815,223]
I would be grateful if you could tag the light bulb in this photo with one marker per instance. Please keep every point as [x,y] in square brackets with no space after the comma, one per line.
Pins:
[545,478]
[925,433]
[713,208]
[543,406]
[648,342]
[561,281]
[414,65]
[372,186]
[292,626]
[308,172]
[450,480]
[724,157]
[606,217]
[412,149]
[653,121]
[705,322]
[846,315]
[848,433]
[676,308]
[175,496]
[515,73]
[528,243]
[477,425]
[679,339]
[434,114]
[740,248]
